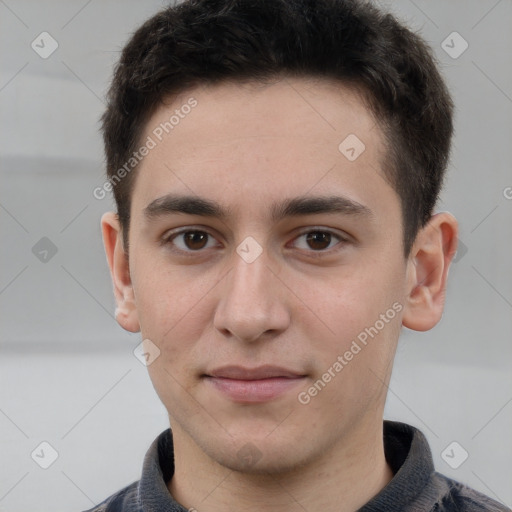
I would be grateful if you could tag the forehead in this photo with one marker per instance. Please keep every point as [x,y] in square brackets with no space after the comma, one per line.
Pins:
[259,142]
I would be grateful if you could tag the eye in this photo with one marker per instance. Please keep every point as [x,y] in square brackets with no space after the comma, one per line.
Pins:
[319,240]
[189,240]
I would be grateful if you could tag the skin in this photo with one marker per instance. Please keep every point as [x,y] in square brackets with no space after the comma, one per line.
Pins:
[299,304]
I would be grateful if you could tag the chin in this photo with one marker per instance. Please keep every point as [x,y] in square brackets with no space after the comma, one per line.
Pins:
[250,460]
[259,454]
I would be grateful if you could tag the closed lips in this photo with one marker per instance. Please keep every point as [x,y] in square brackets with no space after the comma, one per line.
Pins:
[261,372]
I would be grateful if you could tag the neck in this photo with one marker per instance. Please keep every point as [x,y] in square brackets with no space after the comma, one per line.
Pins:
[342,480]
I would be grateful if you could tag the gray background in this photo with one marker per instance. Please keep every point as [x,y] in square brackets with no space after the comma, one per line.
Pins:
[68,375]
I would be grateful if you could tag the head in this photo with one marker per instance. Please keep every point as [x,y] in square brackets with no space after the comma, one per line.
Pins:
[302,144]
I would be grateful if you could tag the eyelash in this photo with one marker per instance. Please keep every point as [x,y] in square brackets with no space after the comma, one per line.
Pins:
[169,238]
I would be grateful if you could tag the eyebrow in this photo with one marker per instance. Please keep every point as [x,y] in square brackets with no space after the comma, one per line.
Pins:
[293,207]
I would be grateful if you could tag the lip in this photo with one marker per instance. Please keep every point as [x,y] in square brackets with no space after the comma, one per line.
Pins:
[253,385]
[261,372]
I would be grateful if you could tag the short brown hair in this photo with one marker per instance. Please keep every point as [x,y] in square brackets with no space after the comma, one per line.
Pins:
[210,41]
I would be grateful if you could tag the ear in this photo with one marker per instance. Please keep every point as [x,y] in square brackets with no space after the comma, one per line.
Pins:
[126,311]
[427,272]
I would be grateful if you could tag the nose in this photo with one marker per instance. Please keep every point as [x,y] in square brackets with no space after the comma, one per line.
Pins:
[253,301]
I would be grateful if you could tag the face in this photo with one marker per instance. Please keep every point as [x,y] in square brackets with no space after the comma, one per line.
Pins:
[266,268]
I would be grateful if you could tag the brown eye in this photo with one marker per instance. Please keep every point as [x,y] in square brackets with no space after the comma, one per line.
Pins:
[189,241]
[195,239]
[319,240]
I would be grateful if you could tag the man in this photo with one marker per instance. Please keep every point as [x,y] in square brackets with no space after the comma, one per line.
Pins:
[275,166]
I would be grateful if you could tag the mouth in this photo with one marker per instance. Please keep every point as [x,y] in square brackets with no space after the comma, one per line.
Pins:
[253,385]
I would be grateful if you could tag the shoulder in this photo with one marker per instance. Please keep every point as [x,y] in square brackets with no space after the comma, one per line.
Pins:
[125,500]
[461,498]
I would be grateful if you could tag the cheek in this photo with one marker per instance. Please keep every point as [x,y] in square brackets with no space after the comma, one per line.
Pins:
[345,305]
[174,310]
[359,315]
[163,294]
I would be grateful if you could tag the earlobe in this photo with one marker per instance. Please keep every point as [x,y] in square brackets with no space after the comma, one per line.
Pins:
[427,272]
[126,310]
